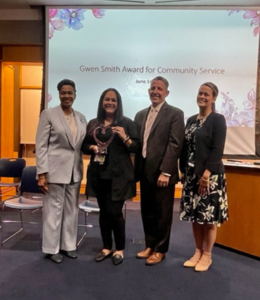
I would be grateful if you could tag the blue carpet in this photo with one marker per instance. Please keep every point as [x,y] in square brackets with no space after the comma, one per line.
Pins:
[25,273]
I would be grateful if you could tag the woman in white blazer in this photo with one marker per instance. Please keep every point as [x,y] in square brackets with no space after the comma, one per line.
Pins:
[59,137]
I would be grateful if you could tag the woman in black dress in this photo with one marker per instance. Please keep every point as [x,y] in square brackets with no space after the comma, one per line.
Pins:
[204,199]
[110,139]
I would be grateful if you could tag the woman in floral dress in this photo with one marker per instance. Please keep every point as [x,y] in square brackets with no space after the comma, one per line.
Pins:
[204,199]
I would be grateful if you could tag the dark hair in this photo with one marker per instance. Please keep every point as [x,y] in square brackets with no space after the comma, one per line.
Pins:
[118,113]
[214,89]
[66,82]
[164,80]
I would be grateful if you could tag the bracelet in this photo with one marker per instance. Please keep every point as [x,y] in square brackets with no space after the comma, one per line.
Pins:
[126,139]
[206,180]
[166,174]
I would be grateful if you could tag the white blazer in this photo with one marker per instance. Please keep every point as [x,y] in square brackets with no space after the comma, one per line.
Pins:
[56,153]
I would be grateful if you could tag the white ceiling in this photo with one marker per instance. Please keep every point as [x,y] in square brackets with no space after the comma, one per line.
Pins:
[25,4]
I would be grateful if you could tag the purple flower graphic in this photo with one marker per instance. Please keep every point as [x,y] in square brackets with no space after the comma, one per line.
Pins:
[52,13]
[59,18]
[49,97]
[49,100]
[250,14]
[243,118]
[254,15]
[230,12]
[98,13]
[72,17]
[54,22]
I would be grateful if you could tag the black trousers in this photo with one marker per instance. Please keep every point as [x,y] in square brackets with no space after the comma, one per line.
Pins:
[157,211]
[111,219]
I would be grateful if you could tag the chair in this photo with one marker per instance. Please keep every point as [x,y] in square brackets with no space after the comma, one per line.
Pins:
[10,168]
[32,201]
[87,207]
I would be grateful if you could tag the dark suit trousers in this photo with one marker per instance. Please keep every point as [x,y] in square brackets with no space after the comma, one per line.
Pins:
[157,211]
[111,219]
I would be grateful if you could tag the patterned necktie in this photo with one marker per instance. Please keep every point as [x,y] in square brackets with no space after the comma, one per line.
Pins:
[148,125]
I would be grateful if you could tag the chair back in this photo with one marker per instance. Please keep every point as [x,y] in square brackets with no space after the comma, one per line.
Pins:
[29,183]
[11,167]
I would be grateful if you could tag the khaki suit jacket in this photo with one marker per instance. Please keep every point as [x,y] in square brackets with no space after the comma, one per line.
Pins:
[56,153]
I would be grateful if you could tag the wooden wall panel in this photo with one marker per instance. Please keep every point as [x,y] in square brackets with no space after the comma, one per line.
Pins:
[241,231]
[7,112]
[23,54]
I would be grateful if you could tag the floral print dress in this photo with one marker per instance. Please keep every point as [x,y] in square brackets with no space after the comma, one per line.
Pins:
[211,208]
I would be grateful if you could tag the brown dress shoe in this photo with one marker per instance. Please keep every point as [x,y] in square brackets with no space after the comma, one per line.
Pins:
[155,258]
[144,253]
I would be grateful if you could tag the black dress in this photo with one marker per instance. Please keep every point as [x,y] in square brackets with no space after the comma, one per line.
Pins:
[211,208]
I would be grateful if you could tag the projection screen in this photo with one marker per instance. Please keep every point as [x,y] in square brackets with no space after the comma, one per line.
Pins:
[126,48]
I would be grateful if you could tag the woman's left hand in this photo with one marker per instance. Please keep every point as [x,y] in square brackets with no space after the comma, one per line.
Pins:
[120,131]
[204,183]
[203,187]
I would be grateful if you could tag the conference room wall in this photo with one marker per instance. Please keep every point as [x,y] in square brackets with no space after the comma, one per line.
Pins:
[20,41]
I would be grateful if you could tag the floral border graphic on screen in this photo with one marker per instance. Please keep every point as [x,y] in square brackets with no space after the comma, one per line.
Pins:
[71,18]
[233,116]
[254,15]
